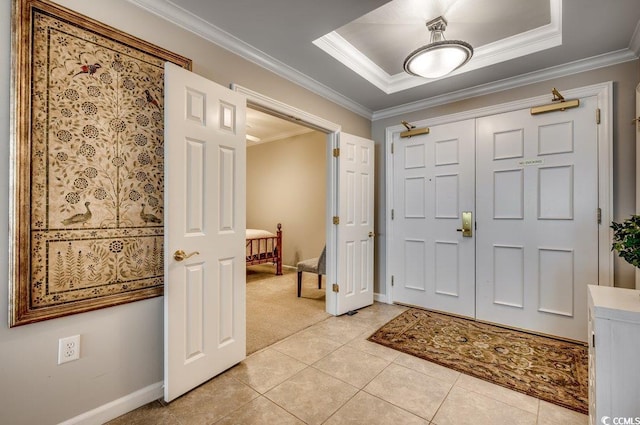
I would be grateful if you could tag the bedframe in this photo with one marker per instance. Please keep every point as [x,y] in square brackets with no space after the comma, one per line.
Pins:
[264,247]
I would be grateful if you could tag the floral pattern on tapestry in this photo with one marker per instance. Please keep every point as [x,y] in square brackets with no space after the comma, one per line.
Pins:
[96,166]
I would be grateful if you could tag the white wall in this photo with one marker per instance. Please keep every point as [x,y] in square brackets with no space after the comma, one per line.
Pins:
[287,183]
[121,346]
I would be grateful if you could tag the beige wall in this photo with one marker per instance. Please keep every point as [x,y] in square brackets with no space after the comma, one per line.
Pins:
[625,78]
[286,183]
[121,346]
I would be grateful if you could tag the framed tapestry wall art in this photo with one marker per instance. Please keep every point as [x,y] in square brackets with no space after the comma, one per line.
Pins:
[87,164]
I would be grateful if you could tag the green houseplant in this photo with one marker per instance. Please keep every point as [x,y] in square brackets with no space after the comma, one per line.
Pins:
[626,239]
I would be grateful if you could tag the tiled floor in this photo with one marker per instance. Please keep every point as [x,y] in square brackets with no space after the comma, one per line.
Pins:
[330,374]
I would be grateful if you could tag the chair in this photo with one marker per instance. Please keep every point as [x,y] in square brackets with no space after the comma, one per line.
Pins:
[316,265]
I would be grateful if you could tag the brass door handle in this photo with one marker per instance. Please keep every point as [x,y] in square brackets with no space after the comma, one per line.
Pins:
[371,234]
[180,255]
[467,230]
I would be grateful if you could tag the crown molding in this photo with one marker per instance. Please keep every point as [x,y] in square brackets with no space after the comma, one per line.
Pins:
[526,43]
[595,62]
[193,23]
[190,22]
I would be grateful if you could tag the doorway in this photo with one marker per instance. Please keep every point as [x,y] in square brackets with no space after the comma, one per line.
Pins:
[533,189]
[350,186]
[286,186]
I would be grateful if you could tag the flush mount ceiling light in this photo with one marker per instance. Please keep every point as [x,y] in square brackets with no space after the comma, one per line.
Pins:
[440,56]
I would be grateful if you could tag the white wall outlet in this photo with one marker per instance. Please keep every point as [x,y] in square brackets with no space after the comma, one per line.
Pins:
[68,349]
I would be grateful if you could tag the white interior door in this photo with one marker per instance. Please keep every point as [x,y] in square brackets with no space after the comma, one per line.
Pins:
[205,168]
[355,236]
[434,264]
[537,237]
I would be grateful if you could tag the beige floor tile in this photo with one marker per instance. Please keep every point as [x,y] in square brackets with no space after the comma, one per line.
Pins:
[365,409]
[377,315]
[338,329]
[211,401]
[431,369]
[149,414]
[266,369]
[462,407]
[496,392]
[312,395]
[410,390]
[307,348]
[551,414]
[372,348]
[260,411]
[352,366]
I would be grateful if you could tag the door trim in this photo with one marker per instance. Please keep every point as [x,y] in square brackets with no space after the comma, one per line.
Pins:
[275,107]
[637,125]
[604,93]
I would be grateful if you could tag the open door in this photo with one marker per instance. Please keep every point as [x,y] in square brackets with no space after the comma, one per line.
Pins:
[204,289]
[355,236]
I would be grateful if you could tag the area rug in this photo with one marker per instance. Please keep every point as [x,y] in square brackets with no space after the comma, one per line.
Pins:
[545,368]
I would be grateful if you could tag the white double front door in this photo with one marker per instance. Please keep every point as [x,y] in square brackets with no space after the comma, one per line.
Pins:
[530,185]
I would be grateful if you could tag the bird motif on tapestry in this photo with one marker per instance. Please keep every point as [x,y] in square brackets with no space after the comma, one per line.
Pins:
[88,69]
[79,218]
[148,218]
[151,99]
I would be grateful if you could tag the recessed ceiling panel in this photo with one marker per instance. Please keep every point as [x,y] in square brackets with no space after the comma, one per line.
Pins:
[376,44]
[388,34]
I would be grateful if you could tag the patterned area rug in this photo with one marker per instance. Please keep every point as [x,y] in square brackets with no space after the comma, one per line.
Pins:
[545,368]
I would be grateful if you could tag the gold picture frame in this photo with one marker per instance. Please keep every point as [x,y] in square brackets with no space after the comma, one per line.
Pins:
[87,165]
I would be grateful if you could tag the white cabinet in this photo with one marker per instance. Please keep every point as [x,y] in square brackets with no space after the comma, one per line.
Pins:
[614,355]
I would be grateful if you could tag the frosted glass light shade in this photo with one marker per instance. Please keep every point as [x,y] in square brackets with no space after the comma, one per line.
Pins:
[438,59]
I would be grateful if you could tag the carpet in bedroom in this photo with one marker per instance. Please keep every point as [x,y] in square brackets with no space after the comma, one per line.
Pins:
[273,309]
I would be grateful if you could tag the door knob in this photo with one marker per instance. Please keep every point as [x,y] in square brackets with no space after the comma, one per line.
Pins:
[180,255]
[371,234]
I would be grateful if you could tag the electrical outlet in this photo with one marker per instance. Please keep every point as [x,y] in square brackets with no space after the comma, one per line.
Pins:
[68,349]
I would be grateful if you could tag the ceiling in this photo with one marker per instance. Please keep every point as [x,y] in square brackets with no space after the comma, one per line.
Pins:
[265,128]
[515,41]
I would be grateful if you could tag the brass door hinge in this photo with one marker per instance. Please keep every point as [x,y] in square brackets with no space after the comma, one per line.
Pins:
[336,152]
[597,115]
[336,287]
[599,215]
[336,219]
[393,214]
[391,280]
[392,144]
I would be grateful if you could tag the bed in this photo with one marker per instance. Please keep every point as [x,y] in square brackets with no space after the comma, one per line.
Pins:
[264,247]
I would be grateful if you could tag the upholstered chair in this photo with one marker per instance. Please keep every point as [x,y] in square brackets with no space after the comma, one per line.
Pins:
[316,265]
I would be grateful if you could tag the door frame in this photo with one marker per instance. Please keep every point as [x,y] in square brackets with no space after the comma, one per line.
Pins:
[604,93]
[271,106]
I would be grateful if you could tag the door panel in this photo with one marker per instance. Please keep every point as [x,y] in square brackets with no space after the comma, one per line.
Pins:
[537,198]
[355,230]
[205,217]
[433,185]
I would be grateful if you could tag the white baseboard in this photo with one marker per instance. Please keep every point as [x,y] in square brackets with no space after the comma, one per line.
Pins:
[381,298]
[118,407]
